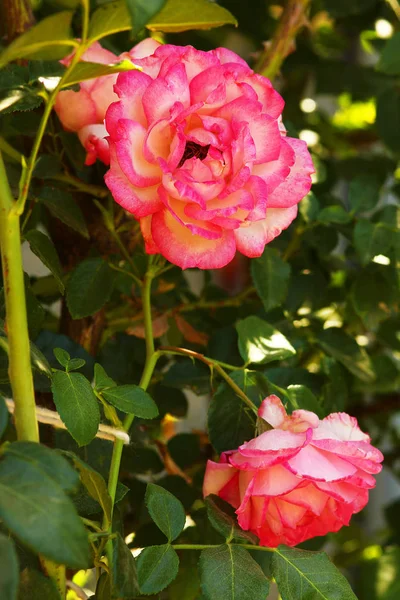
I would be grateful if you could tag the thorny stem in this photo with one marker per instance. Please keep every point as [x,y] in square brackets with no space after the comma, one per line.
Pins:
[213,365]
[293,18]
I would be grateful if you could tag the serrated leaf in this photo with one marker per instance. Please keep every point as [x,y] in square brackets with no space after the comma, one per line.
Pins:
[142,11]
[95,485]
[197,14]
[157,566]
[62,206]
[344,348]
[271,277]
[47,460]
[165,510]
[36,509]
[49,39]
[230,420]
[87,70]
[371,239]
[77,405]
[62,356]
[124,583]
[223,518]
[229,572]
[89,287]
[131,399]
[260,343]
[101,379]
[9,571]
[303,575]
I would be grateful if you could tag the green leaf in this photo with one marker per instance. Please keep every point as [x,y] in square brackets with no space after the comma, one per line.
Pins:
[229,572]
[334,214]
[47,165]
[101,379]
[184,449]
[123,575]
[223,518]
[4,416]
[371,239]
[49,461]
[344,348]
[36,586]
[259,342]
[76,363]
[389,61]
[302,398]
[343,8]
[131,399]
[49,39]
[388,118]
[157,566]
[271,277]
[62,356]
[363,193]
[309,208]
[77,405]
[87,70]
[109,18]
[62,206]
[302,575]
[198,14]
[142,11]
[230,420]
[165,510]
[371,295]
[36,509]
[95,485]
[9,571]
[89,287]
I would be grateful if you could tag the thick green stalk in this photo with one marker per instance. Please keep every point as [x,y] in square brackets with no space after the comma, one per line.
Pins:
[16,319]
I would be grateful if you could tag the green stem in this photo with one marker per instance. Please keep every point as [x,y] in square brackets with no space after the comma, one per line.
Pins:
[20,370]
[293,18]
[213,365]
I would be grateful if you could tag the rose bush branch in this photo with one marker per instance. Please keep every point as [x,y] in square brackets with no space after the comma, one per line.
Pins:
[292,19]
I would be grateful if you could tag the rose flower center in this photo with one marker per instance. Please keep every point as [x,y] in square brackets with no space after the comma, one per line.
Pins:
[193,150]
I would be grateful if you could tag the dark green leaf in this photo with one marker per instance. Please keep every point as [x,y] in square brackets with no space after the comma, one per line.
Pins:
[101,379]
[165,510]
[345,349]
[89,287]
[49,461]
[230,420]
[75,363]
[259,342]
[303,575]
[9,571]
[77,405]
[35,508]
[157,566]
[334,214]
[188,374]
[4,416]
[364,193]
[271,277]
[62,356]
[198,14]
[35,586]
[229,572]
[309,207]
[49,39]
[389,61]
[343,8]
[223,518]
[123,574]
[47,165]
[388,118]
[131,399]
[61,204]
[184,449]
[303,398]
[95,485]
[371,239]
[142,11]
[372,295]
[43,247]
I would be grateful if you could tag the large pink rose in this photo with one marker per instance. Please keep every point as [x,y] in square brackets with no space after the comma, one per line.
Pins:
[303,478]
[199,155]
[83,111]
